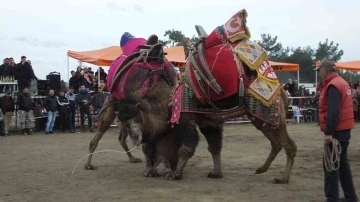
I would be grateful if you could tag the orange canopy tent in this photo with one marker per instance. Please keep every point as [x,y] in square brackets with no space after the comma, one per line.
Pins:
[105,56]
[350,66]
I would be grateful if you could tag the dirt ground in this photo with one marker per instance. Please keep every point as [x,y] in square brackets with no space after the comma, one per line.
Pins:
[38,168]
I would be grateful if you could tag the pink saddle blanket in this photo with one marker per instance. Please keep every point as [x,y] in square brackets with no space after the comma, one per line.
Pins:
[128,49]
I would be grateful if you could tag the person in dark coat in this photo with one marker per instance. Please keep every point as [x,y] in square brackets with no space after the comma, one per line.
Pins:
[72,108]
[63,104]
[25,104]
[24,74]
[84,101]
[336,122]
[8,107]
[73,81]
[99,99]
[51,107]
[6,70]
[103,75]
[2,124]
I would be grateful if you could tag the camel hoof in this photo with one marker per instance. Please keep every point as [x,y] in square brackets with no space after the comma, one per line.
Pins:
[280,181]
[90,167]
[150,172]
[135,160]
[260,171]
[212,175]
[174,176]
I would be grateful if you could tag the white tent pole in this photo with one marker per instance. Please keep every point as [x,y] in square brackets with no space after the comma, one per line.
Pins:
[316,78]
[68,69]
[98,77]
[298,78]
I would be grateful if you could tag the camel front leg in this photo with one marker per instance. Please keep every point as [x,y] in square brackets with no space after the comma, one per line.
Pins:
[149,152]
[106,117]
[124,132]
[213,136]
[189,138]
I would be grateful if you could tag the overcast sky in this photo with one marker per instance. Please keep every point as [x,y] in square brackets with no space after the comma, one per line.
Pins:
[45,30]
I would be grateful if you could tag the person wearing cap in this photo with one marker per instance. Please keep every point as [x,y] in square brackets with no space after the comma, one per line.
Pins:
[8,107]
[24,74]
[336,121]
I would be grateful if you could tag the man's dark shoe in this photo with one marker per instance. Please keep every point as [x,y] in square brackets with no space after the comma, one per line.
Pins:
[23,131]
[28,131]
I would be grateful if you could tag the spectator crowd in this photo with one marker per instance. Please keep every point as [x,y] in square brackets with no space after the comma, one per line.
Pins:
[60,106]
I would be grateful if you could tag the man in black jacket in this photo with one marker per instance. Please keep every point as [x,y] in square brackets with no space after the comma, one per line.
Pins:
[99,100]
[50,106]
[25,105]
[72,108]
[63,104]
[73,81]
[24,73]
[7,106]
[84,101]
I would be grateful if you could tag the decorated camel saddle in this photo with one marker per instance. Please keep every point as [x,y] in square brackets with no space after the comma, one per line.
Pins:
[140,65]
[227,74]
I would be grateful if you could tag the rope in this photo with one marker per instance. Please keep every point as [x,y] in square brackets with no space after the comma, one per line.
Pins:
[332,153]
[108,150]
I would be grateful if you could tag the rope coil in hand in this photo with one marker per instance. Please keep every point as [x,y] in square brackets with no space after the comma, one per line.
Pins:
[332,153]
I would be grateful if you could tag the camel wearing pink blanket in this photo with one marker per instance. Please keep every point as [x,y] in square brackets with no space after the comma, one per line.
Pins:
[128,48]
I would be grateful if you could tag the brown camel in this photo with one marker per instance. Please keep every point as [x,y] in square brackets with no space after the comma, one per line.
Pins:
[211,124]
[149,55]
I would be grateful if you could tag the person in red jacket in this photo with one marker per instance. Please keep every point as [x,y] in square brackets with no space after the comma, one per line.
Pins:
[336,121]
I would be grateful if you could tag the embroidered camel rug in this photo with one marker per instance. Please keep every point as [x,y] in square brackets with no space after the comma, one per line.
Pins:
[232,58]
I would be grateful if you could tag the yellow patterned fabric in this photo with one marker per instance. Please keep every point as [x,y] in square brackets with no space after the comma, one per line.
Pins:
[264,91]
[250,53]
[266,86]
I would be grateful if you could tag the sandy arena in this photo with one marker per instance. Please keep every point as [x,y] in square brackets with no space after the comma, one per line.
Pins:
[38,168]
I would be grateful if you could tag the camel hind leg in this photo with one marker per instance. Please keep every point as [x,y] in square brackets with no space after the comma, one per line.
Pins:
[275,149]
[106,118]
[124,132]
[279,138]
[290,148]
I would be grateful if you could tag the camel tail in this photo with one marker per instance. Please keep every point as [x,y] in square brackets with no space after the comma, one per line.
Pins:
[284,98]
